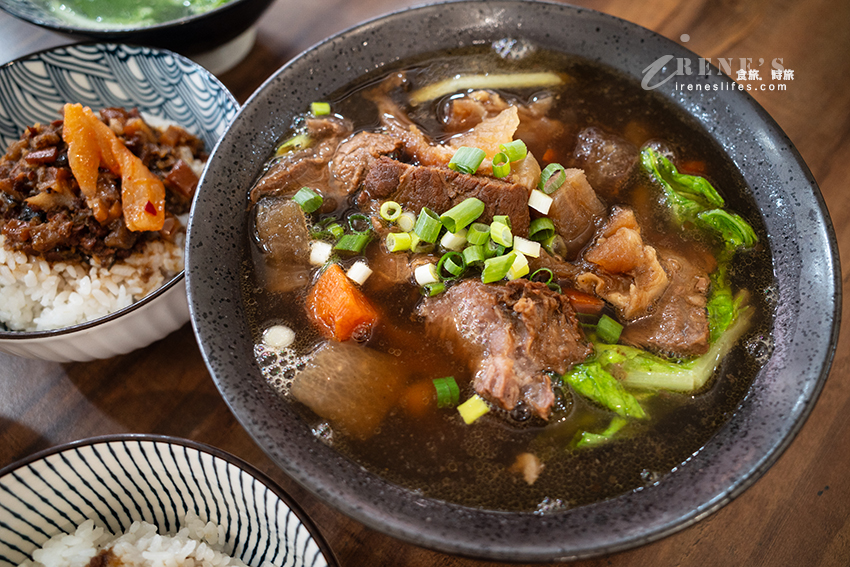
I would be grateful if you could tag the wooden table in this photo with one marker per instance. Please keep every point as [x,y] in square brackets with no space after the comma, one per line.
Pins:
[798,514]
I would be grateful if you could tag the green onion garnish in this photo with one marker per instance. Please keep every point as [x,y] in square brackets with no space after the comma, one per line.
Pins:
[453,263]
[309,200]
[354,242]
[398,241]
[551,178]
[419,246]
[535,277]
[358,222]
[428,225]
[448,393]
[515,150]
[608,330]
[473,254]
[504,219]
[462,214]
[320,108]
[478,233]
[296,142]
[501,165]
[432,289]
[519,267]
[390,211]
[406,221]
[493,248]
[467,160]
[501,234]
[541,229]
[496,268]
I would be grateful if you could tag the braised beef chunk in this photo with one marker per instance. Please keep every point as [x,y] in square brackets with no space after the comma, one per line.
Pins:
[576,212]
[43,212]
[678,326]
[354,156]
[607,159]
[440,188]
[512,335]
[304,165]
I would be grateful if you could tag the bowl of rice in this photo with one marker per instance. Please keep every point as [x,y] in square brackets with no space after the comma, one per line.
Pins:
[148,500]
[91,233]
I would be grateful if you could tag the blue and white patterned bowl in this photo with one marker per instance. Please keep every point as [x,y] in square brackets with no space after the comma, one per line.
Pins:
[162,85]
[116,480]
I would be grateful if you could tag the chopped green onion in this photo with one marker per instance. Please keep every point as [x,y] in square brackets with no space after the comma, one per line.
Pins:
[320,252]
[473,254]
[541,229]
[556,246]
[515,150]
[390,211]
[419,246]
[539,201]
[533,277]
[296,142]
[309,200]
[478,233]
[551,178]
[497,268]
[527,247]
[467,160]
[519,267]
[426,274]
[406,221]
[448,393]
[453,263]
[501,234]
[608,330]
[432,289]
[428,225]
[358,222]
[493,248]
[454,240]
[501,165]
[462,214]
[359,272]
[504,219]
[473,408]
[354,242]
[398,241]
[320,108]
[336,230]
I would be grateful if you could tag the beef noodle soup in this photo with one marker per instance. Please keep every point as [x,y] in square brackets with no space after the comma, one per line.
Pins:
[508,279]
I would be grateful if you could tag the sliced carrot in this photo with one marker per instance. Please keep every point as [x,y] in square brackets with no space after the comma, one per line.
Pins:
[549,155]
[584,302]
[83,154]
[142,192]
[338,307]
[419,398]
[692,167]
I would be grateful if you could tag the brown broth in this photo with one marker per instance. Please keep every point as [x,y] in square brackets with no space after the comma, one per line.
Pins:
[437,454]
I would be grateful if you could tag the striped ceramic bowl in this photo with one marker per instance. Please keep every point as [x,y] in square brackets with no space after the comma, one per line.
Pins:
[116,480]
[165,87]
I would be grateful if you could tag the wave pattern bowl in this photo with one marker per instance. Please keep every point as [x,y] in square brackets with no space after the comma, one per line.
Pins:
[162,85]
[116,480]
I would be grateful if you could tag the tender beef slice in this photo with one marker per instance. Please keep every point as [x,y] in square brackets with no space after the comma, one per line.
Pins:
[678,326]
[625,271]
[440,188]
[607,159]
[307,166]
[511,335]
[576,212]
[354,156]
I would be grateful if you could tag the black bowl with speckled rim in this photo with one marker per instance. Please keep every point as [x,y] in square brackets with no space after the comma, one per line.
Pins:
[800,237]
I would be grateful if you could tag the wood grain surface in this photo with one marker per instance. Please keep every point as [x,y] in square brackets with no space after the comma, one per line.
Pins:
[797,514]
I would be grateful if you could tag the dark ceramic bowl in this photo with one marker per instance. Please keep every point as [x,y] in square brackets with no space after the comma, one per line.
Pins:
[189,35]
[800,238]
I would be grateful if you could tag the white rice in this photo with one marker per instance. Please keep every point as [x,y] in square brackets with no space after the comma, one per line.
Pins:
[36,296]
[198,544]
